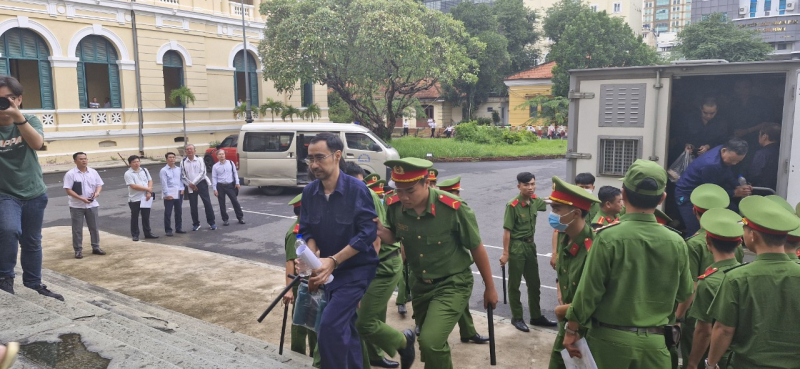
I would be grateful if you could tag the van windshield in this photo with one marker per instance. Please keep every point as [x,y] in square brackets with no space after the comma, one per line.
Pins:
[376,138]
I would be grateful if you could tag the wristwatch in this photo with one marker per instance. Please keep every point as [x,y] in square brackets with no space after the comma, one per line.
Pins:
[570,331]
[21,123]
[709,366]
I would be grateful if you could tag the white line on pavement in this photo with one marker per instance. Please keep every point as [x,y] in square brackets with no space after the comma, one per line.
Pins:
[268,214]
[494,276]
[549,254]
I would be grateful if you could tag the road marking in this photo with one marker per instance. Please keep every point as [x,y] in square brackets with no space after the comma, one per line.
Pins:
[549,254]
[494,276]
[267,214]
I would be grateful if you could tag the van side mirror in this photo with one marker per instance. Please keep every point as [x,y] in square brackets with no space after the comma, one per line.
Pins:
[376,148]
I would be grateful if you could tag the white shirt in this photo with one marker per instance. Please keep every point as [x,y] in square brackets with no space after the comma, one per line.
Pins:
[405,123]
[171,183]
[140,177]
[224,173]
[430,123]
[89,180]
[193,171]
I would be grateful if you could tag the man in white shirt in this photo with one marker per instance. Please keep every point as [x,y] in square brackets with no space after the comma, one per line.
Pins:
[193,174]
[225,181]
[172,193]
[432,124]
[405,126]
[140,189]
[83,186]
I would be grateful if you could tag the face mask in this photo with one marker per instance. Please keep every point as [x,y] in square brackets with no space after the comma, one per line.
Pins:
[555,222]
[589,190]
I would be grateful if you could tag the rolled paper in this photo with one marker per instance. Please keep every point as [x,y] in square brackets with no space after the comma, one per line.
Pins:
[307,256]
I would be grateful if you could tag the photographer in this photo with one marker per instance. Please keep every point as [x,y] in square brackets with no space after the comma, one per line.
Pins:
[23,194]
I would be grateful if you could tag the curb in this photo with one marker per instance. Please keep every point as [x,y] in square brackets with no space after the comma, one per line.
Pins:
[497,158]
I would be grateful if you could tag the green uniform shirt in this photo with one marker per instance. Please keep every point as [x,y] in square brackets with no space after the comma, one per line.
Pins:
[592,212]
[707,288]
[380,208]
[291,238]
[634,273]
[758,300]
[601,219]
[21,173]
[520,216]
[437,242]
[700,258]
[571,260]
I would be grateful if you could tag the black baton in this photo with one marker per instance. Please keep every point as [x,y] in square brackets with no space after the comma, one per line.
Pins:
[505,298]
[492,354]
[283,328]
[295,281]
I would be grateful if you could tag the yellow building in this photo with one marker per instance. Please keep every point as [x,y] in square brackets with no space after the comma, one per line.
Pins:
[69,53]
[524,86]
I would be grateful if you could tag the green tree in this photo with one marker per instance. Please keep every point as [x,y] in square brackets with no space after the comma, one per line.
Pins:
[274,107]
[717,38]
[552,109]
[182,95]
[290,112]
[558,16]
[312,111]
[367,51]
[593,40]
[338,111]
[517,24]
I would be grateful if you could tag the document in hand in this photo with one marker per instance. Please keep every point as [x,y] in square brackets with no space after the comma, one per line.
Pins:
[586,361]
[147,204]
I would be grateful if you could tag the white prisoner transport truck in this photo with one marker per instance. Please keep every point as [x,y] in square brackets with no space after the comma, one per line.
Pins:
[618,115]
[272,155]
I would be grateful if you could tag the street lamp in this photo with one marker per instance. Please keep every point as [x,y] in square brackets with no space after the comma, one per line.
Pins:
[248,114]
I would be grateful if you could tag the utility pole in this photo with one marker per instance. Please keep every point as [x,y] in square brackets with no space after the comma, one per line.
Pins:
[248,113]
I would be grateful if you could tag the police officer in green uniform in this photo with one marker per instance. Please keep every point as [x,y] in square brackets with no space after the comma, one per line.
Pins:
[751,305]
[634,273]
[610,206]
[793,238]
[299,334]
[569,205]
[519,251]
[439,234]
[723,233]
[451,185]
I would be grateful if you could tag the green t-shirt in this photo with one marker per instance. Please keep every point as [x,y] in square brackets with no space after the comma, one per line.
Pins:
[22,174]
[520,216]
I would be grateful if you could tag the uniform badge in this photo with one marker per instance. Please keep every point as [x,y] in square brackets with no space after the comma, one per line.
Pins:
[398,170]
[402,227]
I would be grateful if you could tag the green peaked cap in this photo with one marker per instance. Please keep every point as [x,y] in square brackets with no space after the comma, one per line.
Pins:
[767,215]
[296,199]
[710,196]
[785,204]
[408,169]
[641,170]
[570,194]
[797,209]
[372,178]
[449,182]
[722,223]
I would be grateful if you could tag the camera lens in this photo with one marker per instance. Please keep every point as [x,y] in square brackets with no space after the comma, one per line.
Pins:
[5,103]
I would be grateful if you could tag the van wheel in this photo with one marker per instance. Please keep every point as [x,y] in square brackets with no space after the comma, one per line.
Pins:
[271,190]
[209,161]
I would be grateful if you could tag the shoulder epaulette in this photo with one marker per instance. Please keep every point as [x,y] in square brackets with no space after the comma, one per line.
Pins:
[606,227]
[449,201]
[672,229]
[296,229]
[708,272]
[534,196]
[573,250]
[393,200]
[734,267]
[588,243]
[514,203]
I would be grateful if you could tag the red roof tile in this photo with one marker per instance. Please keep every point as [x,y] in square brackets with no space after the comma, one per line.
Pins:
[544,71]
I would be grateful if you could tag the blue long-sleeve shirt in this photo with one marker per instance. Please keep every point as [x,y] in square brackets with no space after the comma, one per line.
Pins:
[763,170]
[345,218]
[707,168]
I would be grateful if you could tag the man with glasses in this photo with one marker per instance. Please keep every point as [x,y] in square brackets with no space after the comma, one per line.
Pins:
[337,219]
[23,194]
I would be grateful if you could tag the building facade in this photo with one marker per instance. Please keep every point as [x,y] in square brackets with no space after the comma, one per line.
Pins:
[77,60]
[661,16]
[629,10]
[524,86]
[777,21]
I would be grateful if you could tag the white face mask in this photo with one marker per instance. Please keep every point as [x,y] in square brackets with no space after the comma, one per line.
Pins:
[589,190]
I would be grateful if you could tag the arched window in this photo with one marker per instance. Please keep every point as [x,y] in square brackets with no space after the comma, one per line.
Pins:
[23,55]
[307,95]
[98,73]
[173,75]
[239,78]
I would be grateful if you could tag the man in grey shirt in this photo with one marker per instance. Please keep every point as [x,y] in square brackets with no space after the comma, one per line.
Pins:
[83,186]
[140,189]
[193,172]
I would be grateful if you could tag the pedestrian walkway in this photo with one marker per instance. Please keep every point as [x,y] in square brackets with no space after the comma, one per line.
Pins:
[230,292]
[97,164]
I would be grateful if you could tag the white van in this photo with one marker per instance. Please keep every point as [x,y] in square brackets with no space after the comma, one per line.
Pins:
[271,156]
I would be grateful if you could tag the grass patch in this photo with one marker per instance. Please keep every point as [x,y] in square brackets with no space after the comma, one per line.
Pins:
[450,148]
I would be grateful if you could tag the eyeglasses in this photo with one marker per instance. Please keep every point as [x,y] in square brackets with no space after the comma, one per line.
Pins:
[316,158]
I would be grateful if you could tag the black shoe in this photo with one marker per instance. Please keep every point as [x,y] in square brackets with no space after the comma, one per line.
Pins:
[150,236]
[180,231]
[520,324]
[401,309]
[225,223]
[416,330]
[477,338]
[136,238]
[7,284]
[384,363]
[98,251]
[407,354]
[45,292]
[194,228]
[542,321]
[169,234]
[78,255]
[241,221]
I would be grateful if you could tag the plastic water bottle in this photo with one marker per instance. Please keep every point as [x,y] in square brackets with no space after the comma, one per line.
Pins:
[303,270]
[742,181]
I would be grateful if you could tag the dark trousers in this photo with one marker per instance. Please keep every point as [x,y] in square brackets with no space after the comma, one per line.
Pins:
[135,210]
[405,131]
[228,189]
[433,130]
[169,205]
[338,340]
[202,191]
[687,214]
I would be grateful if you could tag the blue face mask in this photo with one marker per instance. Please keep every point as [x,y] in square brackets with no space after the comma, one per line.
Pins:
[555,222]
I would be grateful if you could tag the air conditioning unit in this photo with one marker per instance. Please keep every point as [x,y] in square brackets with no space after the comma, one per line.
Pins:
[766,13]
[744,10]
[790,5]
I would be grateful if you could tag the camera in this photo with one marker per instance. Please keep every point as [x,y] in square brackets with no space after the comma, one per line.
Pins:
[5,103]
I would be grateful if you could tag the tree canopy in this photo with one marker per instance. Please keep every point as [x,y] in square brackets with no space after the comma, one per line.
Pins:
[589,39]
[375,54]
[717,38]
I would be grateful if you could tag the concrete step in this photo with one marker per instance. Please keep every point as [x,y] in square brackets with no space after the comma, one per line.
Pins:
[221,338]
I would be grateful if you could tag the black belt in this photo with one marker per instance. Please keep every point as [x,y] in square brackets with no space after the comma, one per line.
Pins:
[391,255]
[434,281]
[528,240]
[651,330]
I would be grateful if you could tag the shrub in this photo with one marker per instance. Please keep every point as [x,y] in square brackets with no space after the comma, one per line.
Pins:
[484,122]
[474,132]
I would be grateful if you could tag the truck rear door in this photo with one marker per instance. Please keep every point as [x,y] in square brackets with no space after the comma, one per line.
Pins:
[789,170]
